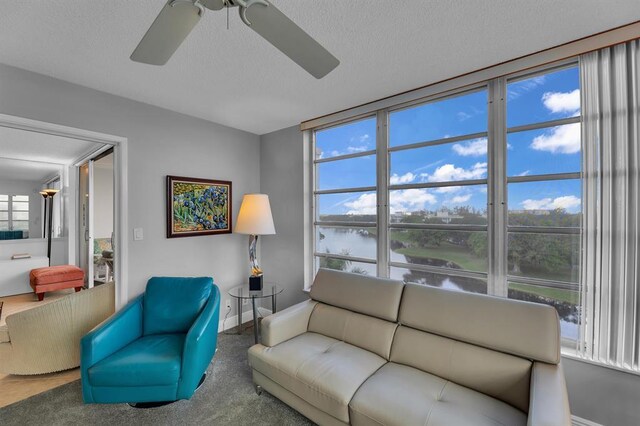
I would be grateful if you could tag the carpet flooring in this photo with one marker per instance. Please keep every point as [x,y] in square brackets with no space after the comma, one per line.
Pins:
[227,397]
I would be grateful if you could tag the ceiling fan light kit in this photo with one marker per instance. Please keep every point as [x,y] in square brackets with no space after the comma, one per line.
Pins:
[178,17]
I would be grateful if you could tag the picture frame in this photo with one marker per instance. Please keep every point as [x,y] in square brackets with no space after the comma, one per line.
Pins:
[198,207]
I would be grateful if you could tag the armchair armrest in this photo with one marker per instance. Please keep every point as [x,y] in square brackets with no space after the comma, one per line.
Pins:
[200,346]
[122,328]
[548,399]
[287,324]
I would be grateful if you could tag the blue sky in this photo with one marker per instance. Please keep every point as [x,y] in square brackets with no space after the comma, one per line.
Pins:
[549,150]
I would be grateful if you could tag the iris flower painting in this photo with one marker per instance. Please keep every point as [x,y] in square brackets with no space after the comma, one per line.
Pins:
[197,207]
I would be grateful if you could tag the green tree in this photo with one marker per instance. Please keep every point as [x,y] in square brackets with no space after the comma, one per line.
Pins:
[425,238]
[334,263]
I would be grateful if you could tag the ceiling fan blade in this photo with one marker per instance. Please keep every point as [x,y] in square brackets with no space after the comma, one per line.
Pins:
[290,39]
[168,31]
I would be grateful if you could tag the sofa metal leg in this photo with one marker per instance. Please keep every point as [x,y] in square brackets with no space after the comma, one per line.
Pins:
[258,389]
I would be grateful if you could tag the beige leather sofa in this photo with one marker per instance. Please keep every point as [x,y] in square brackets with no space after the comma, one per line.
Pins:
[47,338]
[369,351]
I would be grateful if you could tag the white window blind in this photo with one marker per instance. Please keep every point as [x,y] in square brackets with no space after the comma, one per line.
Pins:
[611,81]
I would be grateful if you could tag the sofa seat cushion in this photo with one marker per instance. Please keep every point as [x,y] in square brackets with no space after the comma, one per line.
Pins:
[4,334]
[323,371]
[400,395]
[149,361]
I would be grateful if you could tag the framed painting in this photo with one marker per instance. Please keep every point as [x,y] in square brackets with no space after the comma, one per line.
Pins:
[198,207]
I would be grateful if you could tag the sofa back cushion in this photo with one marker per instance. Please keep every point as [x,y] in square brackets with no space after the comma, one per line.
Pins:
[502,376]
[527,330]
[372,296]
[171,305]
[372,334]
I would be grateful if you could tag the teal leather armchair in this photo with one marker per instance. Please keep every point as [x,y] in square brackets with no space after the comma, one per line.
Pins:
[155,349]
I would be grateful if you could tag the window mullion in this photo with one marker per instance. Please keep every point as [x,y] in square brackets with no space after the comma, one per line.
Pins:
[382,177]
[497,203]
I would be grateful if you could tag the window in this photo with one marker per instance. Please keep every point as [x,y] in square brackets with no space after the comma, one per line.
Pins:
[345,197]
[14,212]
[476,190]
[544,193]
[437,222]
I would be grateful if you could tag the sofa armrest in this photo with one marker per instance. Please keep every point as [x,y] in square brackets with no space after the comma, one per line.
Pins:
[115,333]
[200,346]
[548,399]
[112,335]
[287,324]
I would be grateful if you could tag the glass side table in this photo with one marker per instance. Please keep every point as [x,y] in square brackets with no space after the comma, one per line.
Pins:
[242,292]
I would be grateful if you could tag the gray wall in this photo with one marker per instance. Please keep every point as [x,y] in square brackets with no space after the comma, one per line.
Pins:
[281,171]
[161,143]
[596,393]
[603,395]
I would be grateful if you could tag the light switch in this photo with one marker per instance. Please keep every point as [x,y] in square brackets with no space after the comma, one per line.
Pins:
[138,235]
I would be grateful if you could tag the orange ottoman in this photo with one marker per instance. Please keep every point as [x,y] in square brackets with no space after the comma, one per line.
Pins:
[53,278]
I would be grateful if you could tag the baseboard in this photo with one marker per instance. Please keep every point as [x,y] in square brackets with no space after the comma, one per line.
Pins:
[579,421]
[247,317]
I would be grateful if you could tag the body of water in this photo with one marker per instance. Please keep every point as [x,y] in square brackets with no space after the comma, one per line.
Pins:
[360,244]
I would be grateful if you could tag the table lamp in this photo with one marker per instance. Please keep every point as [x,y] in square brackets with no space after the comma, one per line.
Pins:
[255,219]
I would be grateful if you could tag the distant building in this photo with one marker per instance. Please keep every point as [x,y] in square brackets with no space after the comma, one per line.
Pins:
[444,215]
[537,212]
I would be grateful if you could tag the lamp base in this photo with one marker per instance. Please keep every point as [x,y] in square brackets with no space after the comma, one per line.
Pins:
[255,283]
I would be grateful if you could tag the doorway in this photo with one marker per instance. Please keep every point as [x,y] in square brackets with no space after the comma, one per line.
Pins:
[96,218]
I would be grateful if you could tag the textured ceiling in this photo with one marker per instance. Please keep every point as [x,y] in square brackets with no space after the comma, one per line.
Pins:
[235,78]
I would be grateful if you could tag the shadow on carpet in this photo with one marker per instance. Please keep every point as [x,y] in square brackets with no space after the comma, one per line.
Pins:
[227,397]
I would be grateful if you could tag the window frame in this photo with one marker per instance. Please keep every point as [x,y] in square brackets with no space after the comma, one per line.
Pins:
[10,220]
[497,181]
[315,192]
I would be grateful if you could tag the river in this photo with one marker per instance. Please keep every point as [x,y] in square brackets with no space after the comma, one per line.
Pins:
[359,244]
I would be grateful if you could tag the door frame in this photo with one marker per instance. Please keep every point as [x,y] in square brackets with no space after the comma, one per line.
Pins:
[120,166]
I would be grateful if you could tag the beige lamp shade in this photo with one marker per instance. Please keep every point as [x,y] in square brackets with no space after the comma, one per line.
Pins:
[255,216]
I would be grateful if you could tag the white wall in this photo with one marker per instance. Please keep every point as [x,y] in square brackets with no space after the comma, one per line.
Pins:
[30,188]
[161,143]
[596,393]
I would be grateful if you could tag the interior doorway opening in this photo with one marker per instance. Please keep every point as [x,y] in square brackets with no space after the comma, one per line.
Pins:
[96,182]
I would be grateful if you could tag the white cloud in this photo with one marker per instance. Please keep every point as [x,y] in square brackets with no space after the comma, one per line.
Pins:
[405,178]
[462,116]
[448,189]
[525,173]
[518,89]
[567,202]
[558,102]
[474,148]
[561,139]
[410,200]
[449,172]
[404,200]
[352,149]
[459,199]
[364,204]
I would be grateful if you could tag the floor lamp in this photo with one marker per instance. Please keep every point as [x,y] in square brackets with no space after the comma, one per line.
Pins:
[44,218]
[50,193]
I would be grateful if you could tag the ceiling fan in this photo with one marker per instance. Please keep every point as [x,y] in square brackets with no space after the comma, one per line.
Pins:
[178,17]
